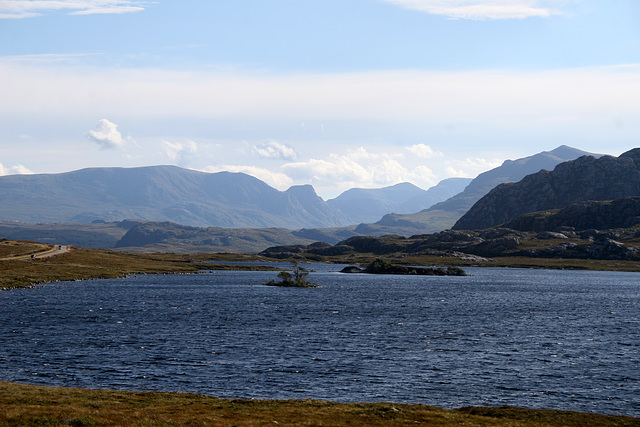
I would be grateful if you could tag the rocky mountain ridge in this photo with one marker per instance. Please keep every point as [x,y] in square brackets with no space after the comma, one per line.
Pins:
[583,179]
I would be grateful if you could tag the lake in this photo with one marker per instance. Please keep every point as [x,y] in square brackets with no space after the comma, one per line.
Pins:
[532,338]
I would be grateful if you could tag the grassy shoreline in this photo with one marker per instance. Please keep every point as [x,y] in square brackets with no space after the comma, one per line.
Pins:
[31,405]
[84,264]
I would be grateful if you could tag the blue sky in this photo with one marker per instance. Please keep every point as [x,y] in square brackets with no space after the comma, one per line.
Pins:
[337,94]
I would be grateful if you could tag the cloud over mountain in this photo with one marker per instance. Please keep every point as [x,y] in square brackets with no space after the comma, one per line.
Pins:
[180,151]
[424,151]
[106,135]
[358,168]
[14,170]
[275,150]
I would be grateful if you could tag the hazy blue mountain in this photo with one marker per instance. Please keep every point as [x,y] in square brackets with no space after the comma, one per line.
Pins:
[369,205]
[444,215]
[572,182]
[162,193]
[445,189]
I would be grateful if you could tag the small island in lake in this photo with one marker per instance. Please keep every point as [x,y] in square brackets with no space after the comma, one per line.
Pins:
[293,279]
[381,266]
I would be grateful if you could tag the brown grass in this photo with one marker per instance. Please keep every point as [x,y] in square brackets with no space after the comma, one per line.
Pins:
[101,264]
[27,405]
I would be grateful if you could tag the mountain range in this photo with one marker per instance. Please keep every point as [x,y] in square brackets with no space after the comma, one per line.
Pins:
[586,178]
[444,215]
[162,193]
[188,197]
[175,208]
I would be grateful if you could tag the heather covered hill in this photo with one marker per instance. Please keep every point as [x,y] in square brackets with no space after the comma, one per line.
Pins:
[580,180]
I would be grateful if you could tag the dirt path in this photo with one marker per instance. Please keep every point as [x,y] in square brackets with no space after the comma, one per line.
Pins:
[56,250]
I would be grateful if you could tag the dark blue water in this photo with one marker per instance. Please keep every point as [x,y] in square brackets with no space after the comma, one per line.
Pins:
[539,339]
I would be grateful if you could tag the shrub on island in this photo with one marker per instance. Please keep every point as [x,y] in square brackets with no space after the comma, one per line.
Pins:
[293,279]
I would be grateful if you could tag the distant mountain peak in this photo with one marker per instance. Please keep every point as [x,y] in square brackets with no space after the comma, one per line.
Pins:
[301,188]
[564,152]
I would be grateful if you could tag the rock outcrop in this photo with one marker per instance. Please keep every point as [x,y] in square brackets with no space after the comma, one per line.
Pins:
[619,213]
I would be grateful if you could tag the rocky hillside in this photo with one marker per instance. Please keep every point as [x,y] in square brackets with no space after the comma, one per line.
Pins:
[589,215]
[586,178]
[478,246]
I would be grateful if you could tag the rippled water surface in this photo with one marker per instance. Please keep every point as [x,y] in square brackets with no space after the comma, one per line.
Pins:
[540,339]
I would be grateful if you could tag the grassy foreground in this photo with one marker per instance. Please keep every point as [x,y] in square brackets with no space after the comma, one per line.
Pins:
[28,405]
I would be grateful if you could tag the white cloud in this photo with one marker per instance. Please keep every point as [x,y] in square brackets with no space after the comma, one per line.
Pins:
[357,168]
[106,135]
[470,167]
[484,9]
[14,170]
[337,170]
[424,151]
[275,179]
[17,9]
[275,150]
[180,152]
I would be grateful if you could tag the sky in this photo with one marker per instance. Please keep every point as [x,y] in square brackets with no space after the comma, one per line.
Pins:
[333,93]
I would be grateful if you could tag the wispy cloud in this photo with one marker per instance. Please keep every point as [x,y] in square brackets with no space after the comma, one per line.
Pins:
[275,150]
[484,9]
[106,135]
[18,9]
